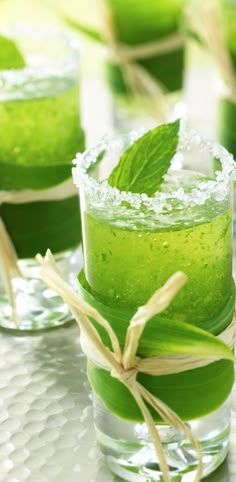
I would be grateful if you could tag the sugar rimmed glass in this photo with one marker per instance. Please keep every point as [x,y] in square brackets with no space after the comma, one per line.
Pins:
[40,126]
[132,244]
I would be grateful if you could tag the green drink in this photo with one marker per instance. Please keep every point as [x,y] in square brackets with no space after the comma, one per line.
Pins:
[132,244]
[40,134]
[141,24]
[29,122]
[151,254]
[40,137]
[145,22]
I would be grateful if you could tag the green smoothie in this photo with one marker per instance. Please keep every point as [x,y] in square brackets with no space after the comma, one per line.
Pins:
[129,253]
[142,22]
[127,260]
[41,128]
[40,134]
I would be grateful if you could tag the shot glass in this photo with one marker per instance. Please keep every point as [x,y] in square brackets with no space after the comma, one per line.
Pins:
[132,244]
[150,88]
[40,134]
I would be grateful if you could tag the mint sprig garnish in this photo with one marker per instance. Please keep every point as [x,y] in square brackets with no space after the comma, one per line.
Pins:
[143,165]
[10,55]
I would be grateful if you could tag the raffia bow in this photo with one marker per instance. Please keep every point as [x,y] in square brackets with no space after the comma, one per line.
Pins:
[8,257]
[125,365]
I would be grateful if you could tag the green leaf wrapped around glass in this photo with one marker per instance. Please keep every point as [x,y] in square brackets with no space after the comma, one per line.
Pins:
[143,219]
[40,133]
[145,64]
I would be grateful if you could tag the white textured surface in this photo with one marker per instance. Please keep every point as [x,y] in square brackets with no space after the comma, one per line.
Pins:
[46,429]
[46,432]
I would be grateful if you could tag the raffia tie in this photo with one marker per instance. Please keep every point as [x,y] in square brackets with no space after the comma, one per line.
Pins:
[204,19]
[137,78]
[8,257]
[126,365]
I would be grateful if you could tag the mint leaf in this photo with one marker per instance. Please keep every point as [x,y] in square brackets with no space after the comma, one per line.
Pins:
[10,55]
[143,165]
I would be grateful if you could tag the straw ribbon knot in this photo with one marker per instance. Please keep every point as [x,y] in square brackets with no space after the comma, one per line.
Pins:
[125,376]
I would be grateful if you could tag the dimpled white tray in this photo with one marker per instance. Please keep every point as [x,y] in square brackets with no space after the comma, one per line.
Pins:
[46,429]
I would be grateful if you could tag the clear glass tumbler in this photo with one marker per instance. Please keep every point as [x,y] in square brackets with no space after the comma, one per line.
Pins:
[40,134]
[132,244]
[154,93]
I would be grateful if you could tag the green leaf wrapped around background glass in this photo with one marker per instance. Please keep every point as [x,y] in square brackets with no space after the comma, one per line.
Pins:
[40,133]
[143,81]
[133,242]
[145,21]
[140,23]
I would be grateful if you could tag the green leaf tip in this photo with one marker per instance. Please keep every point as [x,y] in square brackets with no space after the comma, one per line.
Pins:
[181,338]
[10,55]
[86,30]
[142,167]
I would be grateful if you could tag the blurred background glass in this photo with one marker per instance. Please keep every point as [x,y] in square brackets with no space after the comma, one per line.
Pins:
[199,97]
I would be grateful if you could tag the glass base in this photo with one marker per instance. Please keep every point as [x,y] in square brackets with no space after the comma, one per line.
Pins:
[129,452]
[37,307]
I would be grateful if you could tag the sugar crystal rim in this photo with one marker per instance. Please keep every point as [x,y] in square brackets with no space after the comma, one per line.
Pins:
[12,78]
[218,188]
